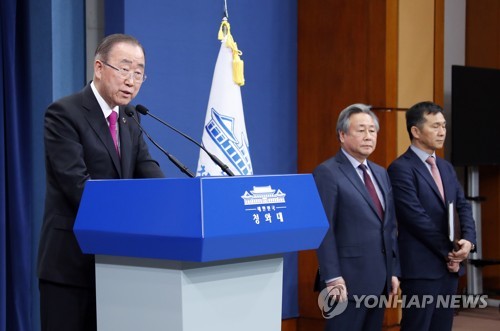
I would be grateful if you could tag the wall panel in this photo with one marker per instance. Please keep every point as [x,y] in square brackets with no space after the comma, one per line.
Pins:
[347,53]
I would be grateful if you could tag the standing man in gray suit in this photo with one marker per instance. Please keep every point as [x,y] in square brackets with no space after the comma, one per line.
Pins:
[87,136]
[358,255]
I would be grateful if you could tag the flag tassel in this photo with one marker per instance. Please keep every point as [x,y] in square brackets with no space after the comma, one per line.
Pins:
[238,65]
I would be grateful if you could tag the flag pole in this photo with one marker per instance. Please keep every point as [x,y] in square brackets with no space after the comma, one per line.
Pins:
[226,14]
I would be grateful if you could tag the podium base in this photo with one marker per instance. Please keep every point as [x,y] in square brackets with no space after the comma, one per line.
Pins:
[149,294]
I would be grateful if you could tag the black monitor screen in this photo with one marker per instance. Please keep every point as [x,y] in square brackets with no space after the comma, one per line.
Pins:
[475,116]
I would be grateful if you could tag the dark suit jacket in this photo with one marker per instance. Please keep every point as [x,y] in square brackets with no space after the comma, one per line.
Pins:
[358,246]
[79,147]
[423,216]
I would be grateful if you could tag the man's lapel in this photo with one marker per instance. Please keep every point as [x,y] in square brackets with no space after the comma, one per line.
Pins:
[125,144]
[422,169]
[346,167]
[447,179]
[379,177]
[98,123]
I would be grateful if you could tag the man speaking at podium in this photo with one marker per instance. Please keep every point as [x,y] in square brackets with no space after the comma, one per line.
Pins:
[358,256]
[87,136]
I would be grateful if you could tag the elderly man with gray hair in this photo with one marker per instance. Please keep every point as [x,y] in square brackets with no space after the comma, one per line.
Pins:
[358,256]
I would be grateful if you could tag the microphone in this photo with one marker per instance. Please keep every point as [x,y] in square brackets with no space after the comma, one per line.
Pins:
[144,111]
[129,110]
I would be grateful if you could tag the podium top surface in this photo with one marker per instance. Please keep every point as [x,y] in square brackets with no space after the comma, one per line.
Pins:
[201,219]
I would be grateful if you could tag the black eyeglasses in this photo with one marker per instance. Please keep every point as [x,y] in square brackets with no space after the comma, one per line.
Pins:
[139,77]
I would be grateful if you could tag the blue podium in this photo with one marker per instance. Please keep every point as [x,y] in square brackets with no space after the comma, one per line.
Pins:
[197,253]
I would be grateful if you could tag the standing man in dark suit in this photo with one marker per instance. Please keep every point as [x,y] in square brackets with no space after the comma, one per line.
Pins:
[87,136]
[423,186]
[358,255]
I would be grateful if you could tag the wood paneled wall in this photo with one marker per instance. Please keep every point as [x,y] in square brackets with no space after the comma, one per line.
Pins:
[347,53]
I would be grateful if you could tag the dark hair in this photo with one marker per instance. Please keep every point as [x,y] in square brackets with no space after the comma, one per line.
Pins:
[415,116]
[343,121]
[105,46]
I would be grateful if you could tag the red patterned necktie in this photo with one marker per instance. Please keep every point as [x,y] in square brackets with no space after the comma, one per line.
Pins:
[112,129]
[435,174]
[372,191]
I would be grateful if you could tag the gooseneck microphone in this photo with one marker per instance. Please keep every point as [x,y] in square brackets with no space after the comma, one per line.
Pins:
[144,111]
[129,110]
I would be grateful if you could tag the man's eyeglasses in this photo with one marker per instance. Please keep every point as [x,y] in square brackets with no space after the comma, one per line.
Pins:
[139,77]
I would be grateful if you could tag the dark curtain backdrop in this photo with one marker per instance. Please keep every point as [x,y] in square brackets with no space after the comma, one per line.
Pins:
[15,174]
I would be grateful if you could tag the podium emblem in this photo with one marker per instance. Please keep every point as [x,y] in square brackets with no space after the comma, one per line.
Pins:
[263,195]
[265,203]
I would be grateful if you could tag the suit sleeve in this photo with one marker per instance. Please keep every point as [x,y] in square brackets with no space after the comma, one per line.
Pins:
[65,155]
[327,251]
[412,214]
[396,267]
